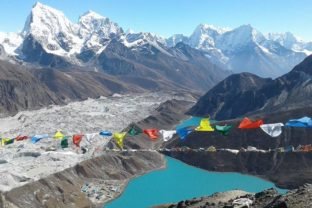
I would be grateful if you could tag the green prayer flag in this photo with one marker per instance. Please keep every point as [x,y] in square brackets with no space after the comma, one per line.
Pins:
[134,130]
[224,130]
[64,142]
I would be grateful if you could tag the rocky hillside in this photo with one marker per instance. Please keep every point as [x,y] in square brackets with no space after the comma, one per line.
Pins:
[243,94]
[298,198]
[29,88]
[19,89]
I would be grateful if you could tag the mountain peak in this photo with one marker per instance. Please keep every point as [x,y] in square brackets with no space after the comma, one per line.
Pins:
[130,31]
[204,36]
[96,27]
[51,29]
[208,27]
[286,39]
[240,37]
[92,14]
[39,8]
[38,4]
[247,29]
[286,35]
[43,17]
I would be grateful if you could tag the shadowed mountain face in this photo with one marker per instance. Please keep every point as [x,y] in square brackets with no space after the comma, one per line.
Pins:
[28,88]
[243,94]
[19,89]
[187,68]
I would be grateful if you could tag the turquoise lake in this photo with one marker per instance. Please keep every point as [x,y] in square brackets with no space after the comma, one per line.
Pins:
[180,181]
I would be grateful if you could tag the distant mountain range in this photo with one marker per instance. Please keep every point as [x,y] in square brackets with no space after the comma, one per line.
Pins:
[244,49]
[50,39]
[97,43]
[246,94]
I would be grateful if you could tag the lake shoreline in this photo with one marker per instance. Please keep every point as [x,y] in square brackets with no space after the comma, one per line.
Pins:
[174,169]
[102,204]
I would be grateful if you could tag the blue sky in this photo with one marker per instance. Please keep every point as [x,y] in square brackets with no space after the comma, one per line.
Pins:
[167,17]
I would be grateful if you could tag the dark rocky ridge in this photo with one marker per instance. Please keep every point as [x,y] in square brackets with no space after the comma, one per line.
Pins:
[244,94]
[287,170]
[299,198]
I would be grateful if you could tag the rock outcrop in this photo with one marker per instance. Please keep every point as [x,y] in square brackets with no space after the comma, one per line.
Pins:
[298,198]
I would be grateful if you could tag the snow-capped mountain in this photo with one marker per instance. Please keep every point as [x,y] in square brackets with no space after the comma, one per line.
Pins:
[204,36]
[92,23]
[96,30]
[177,38]
[142,42]
[50,39]
[10,41]
[50,28]
[238,39]
[245,49]
[95,43]
[289,41]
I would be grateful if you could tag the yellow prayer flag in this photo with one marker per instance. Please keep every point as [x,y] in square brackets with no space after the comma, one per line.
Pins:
[119,137]
[204,125]
[58,135]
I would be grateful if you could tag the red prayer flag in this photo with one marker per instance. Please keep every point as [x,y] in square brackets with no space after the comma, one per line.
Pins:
[246,123]
[77,139]
[20,138]
[151,133]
